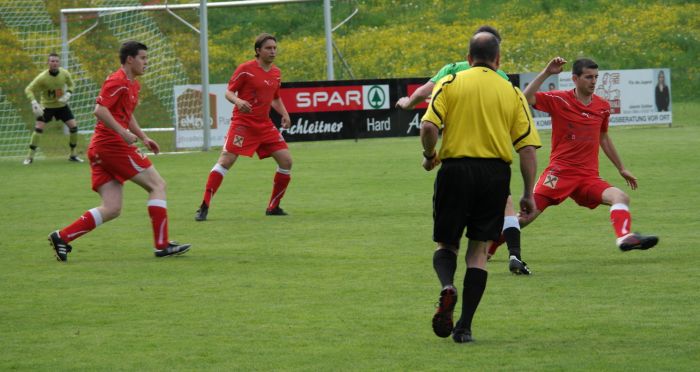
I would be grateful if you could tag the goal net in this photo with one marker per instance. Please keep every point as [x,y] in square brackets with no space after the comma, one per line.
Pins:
[32,35]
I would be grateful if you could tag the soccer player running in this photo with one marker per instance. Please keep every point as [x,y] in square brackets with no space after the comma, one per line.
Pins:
[253,89]
[114,159]
[54,87]
[511,226]
[483,118]
[579,126]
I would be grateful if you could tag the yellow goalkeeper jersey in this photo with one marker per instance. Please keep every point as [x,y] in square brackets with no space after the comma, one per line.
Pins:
[50,88]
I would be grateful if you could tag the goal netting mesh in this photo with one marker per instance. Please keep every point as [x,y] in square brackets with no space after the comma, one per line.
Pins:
[34,32]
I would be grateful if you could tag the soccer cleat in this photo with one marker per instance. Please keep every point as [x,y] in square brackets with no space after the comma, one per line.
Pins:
[462,335]
[518,267]
[442,320]
[60,247]
[276,211]
[173,249]
[202,212]
[636,241]
[75,158]
[28,161]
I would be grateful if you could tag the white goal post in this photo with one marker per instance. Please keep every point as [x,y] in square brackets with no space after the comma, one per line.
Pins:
[202,6]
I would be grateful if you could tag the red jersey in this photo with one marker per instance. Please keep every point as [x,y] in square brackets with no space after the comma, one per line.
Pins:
[120,95]
[259,88]
[576,128]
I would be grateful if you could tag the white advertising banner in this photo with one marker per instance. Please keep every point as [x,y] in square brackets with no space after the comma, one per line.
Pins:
[636,97]
[188,115]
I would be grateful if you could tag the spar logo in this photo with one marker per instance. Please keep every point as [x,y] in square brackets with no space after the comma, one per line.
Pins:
[336,98]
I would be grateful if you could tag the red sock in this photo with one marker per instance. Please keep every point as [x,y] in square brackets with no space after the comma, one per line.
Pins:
[281,181]
[158,211]
[83,225]
[621,219]
[495,244]
[216,177]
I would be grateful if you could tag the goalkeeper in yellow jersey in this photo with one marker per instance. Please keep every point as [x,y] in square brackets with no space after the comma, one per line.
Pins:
[54,88]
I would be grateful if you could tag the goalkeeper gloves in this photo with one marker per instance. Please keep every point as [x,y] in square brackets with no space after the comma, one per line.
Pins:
[65,97]
[37,109]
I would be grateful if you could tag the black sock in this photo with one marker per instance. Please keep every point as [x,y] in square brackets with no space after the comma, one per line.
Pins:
[474,286]
[512,236]
[445,265]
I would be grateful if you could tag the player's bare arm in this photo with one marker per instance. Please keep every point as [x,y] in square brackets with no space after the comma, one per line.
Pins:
[611,152]
[554,67]
[243,105]
[420,95]
[102,113]
[278,105]
[135,128]
[429,133]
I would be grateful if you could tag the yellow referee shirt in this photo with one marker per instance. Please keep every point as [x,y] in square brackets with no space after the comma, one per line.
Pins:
[481,115]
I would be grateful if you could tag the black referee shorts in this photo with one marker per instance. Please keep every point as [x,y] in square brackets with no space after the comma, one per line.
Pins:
[471,193]
[63,114]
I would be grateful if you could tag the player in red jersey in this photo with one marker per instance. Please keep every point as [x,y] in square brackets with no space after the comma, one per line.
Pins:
[579,126]
[253,89]
[114,159]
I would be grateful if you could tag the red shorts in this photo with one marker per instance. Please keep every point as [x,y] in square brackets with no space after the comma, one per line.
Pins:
[115,163]
[247,140]
[556,184]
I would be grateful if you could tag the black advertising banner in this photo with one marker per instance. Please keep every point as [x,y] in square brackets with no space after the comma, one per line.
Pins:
[330,110]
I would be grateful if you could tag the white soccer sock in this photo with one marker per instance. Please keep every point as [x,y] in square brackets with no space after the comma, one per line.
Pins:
[219,169]
[511,221]
[96,215]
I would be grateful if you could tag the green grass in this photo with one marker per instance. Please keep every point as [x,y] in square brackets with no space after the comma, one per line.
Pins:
[346,281]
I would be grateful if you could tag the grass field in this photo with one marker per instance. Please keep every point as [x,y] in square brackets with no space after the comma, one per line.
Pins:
[346,281]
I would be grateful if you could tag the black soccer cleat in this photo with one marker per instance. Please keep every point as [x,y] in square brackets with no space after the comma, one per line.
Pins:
[462,335]
[75,158]
[173,249]
[60,247]
[202,212]
[442,320]
[518,267]
[637,241]
[276,211]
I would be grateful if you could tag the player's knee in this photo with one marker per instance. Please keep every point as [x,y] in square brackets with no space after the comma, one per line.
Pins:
[73,130]
[159,185]
[111,212]
[39,130]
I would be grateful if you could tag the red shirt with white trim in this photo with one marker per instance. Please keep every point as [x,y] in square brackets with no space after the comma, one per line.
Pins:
[120,95]
[576,128]
[259,88]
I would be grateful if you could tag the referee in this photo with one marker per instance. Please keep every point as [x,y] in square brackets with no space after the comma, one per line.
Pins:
[482,117]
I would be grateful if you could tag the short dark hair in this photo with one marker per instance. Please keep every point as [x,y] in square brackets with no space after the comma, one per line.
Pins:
[53,54]
[484,49]
[130,49]
[261,39]
[580,64]
[490,30]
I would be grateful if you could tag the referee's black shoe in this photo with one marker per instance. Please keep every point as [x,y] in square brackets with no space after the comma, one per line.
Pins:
[461,334]
[276,211]
[201,214]
[518,267]
[60,247]
[173,249]
[75,158]
[442,320]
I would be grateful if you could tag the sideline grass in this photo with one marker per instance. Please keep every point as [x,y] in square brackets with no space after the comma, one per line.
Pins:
[346,281]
